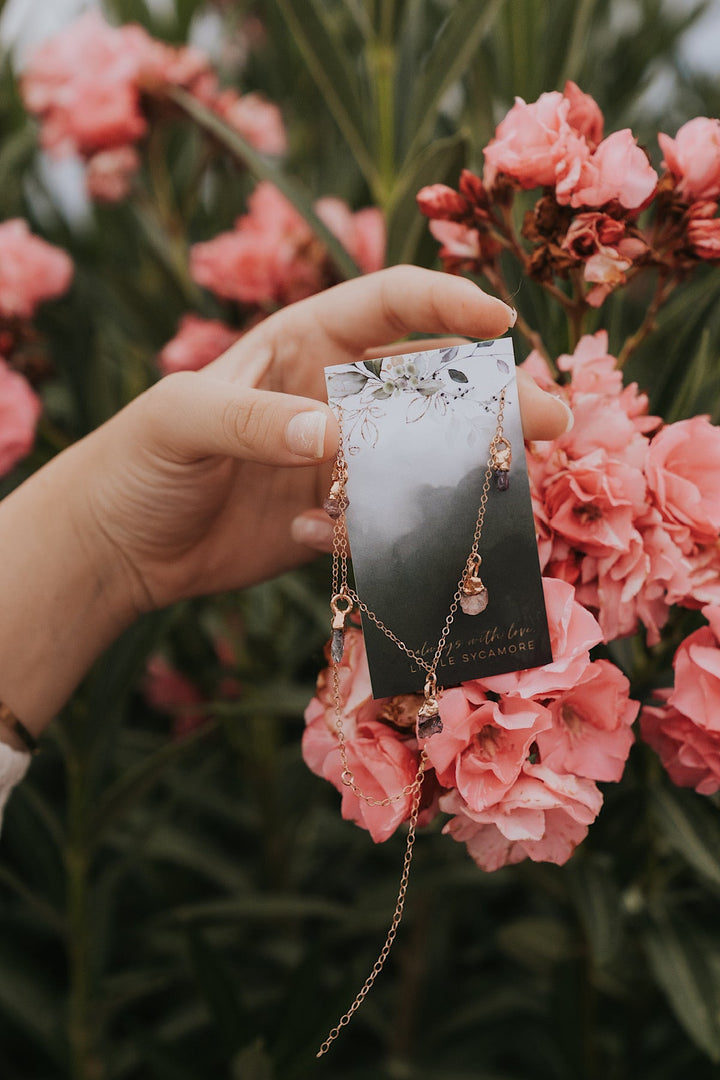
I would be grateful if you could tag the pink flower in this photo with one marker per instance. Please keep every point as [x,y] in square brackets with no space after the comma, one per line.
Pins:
[109,173]
[31,270]
[697,674]
[481,750]
[594,501]
[438,201]
[693,158]
[703,230]
[362,233]
[584,115]
[683,475]
[606,250]
[543,816]
[618,170]
[535,143]
[259,121]
[689,752]
[573,632]
[83,84]
[591,731]
[197,342]
[273,257]
[19,411]
[381,762]
[169,691]
[86,83]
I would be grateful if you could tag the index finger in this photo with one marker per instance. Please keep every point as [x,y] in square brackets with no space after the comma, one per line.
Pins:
[380,307]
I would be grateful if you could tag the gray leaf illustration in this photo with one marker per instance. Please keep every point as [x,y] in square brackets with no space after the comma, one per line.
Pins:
[346,383]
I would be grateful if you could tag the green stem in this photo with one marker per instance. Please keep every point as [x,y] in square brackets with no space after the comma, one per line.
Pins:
[85,1064]
[384,67]
[665,285]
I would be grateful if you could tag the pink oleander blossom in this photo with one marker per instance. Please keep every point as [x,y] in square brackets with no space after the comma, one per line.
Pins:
[693,158]
[606,251]
[109,173]
[617,171]
[703,230]
[591,732]
[19,412]
[535,144]
[543,817]
[197,343]
[31,270]
[683,474]
[273,257]
[573,632]
[258,120]
[689,753]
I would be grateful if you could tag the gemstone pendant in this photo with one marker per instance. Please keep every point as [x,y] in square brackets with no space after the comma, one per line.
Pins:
[473,594]
[474,603]
[428,721]
[337,645]
[502,479]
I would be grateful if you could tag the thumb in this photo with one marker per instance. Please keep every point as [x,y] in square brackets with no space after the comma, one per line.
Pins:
[193,415]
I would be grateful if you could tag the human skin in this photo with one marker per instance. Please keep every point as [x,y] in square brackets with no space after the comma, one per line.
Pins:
[208,481]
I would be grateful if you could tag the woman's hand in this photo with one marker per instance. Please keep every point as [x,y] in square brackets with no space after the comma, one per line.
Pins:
[210,480]
[195,486]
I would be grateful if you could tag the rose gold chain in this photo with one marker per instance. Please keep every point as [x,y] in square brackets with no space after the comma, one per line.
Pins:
[397,914]
[342,589]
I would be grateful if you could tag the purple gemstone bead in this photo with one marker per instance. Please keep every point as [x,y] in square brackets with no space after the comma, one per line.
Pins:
[429,725]
[337,645]
[502,479]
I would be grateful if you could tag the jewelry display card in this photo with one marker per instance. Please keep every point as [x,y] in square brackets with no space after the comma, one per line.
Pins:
[417,431]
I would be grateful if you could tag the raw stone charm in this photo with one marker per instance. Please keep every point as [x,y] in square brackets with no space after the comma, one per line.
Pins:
[337,645]
[474,603]
[502,479]
[428,724]
[335,505]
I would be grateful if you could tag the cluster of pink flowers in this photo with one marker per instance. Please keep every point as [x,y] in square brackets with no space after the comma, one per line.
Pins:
[685,728]
[518,758]
[627,509]
[594,189]
[270,258]
[95,88]
[31,271]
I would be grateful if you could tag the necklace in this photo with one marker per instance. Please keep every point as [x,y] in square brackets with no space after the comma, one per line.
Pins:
[471,596]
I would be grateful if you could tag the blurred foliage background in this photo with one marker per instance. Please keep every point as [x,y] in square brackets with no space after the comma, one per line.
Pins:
[182,907]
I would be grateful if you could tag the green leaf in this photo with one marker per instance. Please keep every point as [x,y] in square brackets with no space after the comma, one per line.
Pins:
[691,826]
[373,366]
[406,226]
[455,47]
[219,989]
[333,69]
[599,907]
[457,376]
[127,788]
[263,168]
[679,958]
[253,1063]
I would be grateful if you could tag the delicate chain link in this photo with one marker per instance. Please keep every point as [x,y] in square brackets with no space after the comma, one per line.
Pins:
[414,789]
[397,914]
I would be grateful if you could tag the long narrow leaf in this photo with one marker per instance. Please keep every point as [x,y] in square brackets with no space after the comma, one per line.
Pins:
[691,828]
[679,960]
[333,69]
[453,51]
[264,169]
[439,162]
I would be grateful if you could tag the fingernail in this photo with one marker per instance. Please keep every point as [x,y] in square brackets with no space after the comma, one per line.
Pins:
[305,434]
[513,317]
[313,532]
[570,413]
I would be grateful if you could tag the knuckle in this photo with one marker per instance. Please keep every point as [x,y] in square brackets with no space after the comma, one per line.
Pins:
[244,422]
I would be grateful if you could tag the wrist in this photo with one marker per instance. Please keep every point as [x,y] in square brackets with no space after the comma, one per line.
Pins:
[63,595]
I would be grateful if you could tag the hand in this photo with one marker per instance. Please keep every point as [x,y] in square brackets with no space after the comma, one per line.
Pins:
[212,480]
